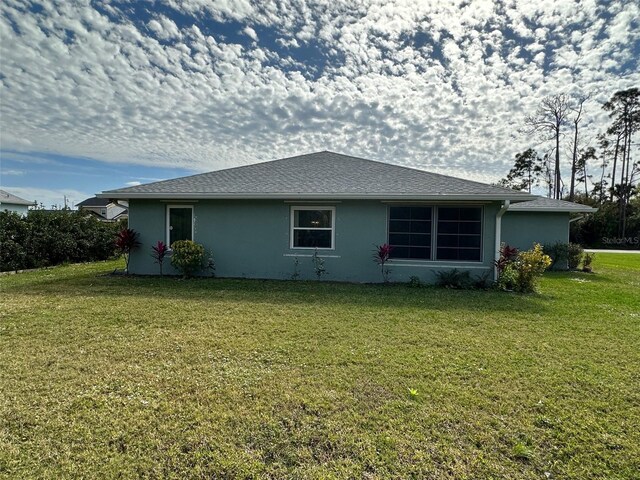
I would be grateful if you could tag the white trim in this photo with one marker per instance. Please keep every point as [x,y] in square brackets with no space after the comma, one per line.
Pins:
[305,255]
[523,208]
[436,265]
[327,202]
[408,197]
[292,226]
[167,222]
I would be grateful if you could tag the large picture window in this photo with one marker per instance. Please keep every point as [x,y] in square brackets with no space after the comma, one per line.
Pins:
[410,232]
[179,223]
[459,233]
[312,227]
[435,233]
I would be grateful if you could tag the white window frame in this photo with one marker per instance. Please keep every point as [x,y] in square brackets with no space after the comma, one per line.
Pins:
[293,228]
[168,222]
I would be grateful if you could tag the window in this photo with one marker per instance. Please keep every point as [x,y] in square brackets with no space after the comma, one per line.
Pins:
[410,232]
[179,223]
[454,232]
[312,227]
[459,233]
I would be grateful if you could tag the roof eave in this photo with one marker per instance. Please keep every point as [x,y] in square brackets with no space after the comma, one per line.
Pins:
[307,196]
[524,208]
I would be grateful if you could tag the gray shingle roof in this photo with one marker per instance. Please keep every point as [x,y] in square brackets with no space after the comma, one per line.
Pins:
[6,197]
[543,204]
[318,175]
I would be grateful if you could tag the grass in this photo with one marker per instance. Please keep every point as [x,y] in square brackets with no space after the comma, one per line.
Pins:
[105,377]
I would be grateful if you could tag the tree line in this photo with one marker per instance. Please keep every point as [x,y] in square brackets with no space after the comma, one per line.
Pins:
[599,167]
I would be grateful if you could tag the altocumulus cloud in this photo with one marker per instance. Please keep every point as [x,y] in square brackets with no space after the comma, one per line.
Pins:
[207,85]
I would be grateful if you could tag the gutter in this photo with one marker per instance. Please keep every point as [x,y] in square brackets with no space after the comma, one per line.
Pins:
[580,217]
[496,256]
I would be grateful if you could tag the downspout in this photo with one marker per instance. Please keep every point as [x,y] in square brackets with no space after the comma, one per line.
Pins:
[499,215]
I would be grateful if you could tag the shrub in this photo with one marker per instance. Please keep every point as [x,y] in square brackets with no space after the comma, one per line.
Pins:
[483,282]
[457,279]
[381,256]
[159,252]
[508,279]
[559,254]
[415,282]
[587,260]
[521,274]
[44,238]
[574,255]
[507,255]
[530,265]
[188,257]
[126,242]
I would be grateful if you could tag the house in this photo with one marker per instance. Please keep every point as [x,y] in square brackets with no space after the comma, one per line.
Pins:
[268,220]
[14,203]
[104,209]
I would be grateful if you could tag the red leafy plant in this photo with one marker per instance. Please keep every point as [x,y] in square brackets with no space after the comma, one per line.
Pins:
[159,252]
[507,255]
[381,256]
[126,242]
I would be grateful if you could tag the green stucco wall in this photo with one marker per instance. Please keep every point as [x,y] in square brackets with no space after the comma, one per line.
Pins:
[523,229]
[251,239]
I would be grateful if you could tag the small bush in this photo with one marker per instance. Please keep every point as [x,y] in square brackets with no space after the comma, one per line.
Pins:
[188,257]
[559,254]
[521,274]
[415,282]
[159,251]
[530,266]
[507,255]
[508,279]
[456,279]
[381,256]
[126,242]
[587,260]
[574,255]
[483,282]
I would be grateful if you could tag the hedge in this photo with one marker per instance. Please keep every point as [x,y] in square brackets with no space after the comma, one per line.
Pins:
[44,238]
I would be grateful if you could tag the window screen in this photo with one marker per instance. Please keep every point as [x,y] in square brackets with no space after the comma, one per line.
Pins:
[459,233]
[410,232]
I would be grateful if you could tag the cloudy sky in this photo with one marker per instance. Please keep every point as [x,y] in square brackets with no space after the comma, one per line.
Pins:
[104,94]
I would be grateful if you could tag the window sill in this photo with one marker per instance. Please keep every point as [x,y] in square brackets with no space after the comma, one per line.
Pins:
[404,262]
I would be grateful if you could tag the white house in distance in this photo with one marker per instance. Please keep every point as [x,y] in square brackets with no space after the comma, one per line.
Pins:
[14,203]
[104,209]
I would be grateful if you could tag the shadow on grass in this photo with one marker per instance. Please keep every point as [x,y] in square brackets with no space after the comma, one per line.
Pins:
[281,292]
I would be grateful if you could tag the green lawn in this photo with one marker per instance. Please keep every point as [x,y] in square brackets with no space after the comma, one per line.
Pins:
[105,377]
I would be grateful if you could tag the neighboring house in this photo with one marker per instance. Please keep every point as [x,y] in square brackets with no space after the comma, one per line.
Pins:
[15,204]
[267,220]
[104,209]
